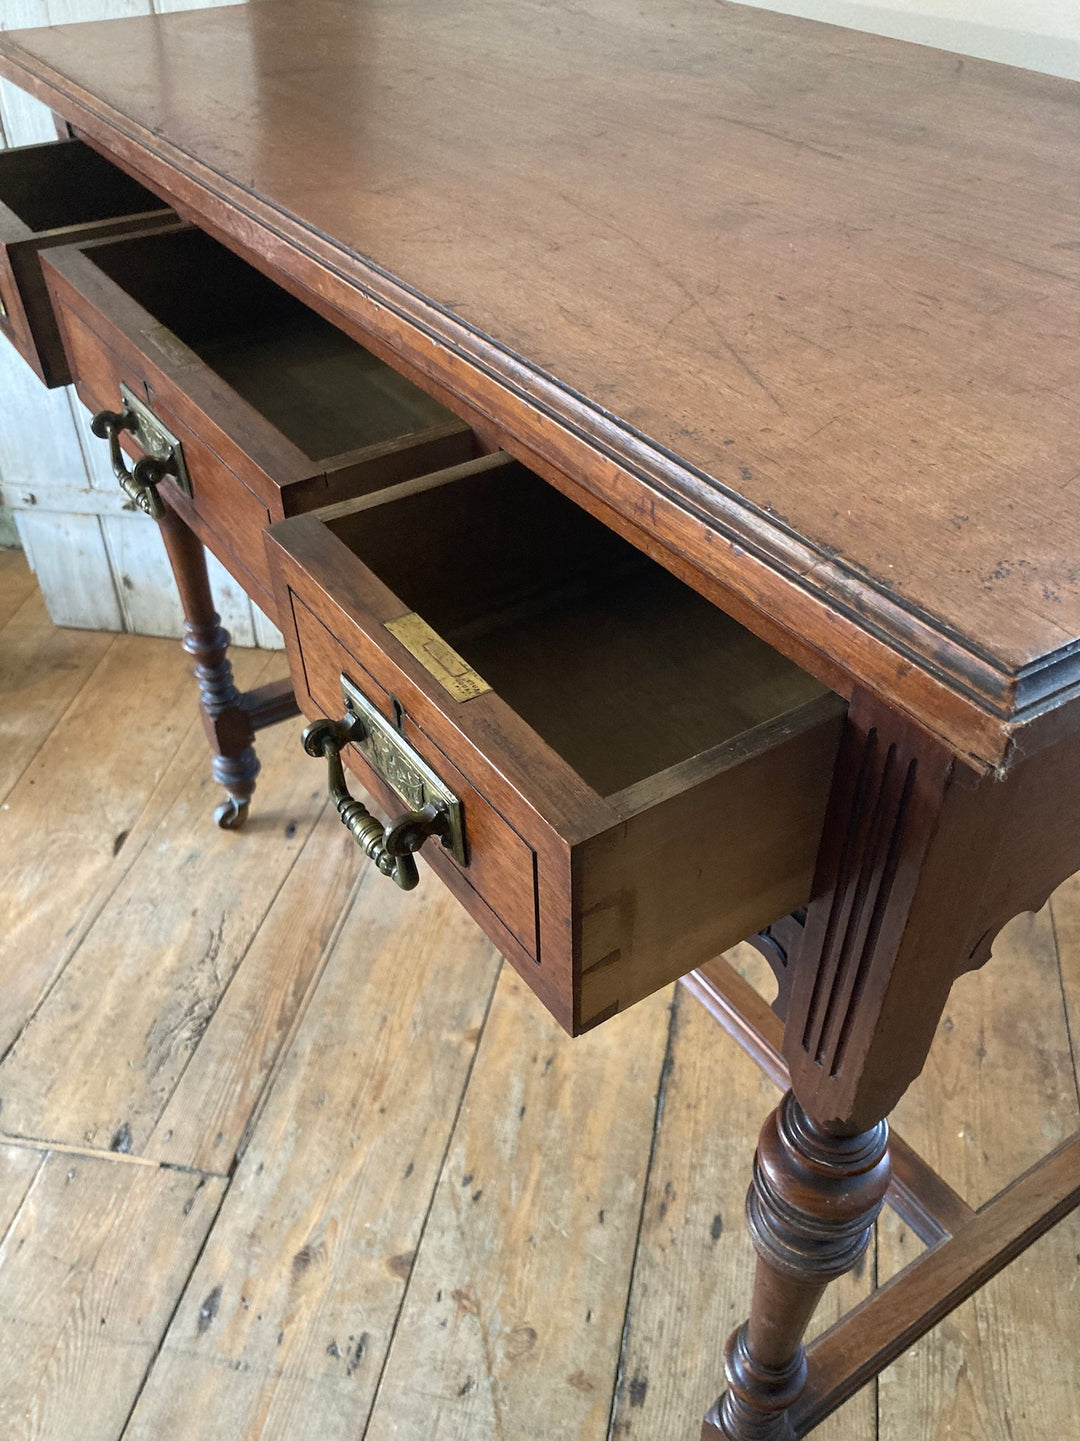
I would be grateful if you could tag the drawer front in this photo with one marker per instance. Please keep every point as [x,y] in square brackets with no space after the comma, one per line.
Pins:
[667,772]
[243,375]
[50,195]
[225,514]
[497,881]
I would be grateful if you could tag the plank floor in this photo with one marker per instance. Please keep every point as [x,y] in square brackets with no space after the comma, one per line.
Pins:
[286,1154]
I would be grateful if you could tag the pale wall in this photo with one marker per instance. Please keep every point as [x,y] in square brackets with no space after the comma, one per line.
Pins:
[1036,34]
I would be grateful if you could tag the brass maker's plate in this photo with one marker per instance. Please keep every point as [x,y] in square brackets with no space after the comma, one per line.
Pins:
[452,671]
[391,756]
[156,439]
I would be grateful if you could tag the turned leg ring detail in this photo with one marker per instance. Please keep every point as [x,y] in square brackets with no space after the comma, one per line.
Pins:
[811,1207]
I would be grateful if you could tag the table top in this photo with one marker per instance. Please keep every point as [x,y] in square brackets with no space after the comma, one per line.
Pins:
[808,295]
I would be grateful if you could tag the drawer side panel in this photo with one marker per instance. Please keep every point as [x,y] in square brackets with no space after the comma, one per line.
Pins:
[501,873]
[14,320]
[725,857]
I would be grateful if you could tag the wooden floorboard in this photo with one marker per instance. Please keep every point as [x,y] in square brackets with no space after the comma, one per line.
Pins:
[18,1168]
[84,809]
[101,1056]
[364,1189]
[217,1098]
[304,1274]
[16,583]
[42,669]
[691,1284]
[519,1289]
[996,1095]
[92,1264]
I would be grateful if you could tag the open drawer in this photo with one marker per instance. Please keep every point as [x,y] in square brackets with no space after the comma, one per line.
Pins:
[640,781]
[56,194]
[256,406]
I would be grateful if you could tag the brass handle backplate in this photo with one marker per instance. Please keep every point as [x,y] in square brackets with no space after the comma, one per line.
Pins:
[434,809]
[164,453]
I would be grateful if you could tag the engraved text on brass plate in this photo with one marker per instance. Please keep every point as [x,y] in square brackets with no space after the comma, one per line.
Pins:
[451,670]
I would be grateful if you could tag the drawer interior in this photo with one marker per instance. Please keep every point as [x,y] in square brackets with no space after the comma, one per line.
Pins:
[318,387]
[621,668]
[50,187]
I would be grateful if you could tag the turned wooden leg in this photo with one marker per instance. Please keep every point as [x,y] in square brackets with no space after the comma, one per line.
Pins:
[228,724]
[822,1167]
[811,1209]
[913,881]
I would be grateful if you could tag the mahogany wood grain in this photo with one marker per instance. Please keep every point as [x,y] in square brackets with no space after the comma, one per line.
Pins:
[227,722]
[231,519]
[903,893]
[917,1298]
[501,864]
[727,845]
[789,309]
[362,426]
[911,889]
[820,348]
[663,775]
[926,1202]
[270,704]
[54,194]
[890,1320]
[811,1206]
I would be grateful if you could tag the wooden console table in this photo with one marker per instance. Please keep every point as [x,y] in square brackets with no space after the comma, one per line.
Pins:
[790,311]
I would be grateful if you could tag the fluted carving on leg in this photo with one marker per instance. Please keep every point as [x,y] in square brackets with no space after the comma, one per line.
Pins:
[810,1208]
[915,875]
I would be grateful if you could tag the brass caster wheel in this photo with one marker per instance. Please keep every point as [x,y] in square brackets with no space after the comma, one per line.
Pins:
[231,814]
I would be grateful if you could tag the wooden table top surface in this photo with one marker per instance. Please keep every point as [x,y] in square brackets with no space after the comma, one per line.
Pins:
[813,290]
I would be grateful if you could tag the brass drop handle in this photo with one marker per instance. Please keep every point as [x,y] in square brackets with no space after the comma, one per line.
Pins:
[140,483]
[390,847]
